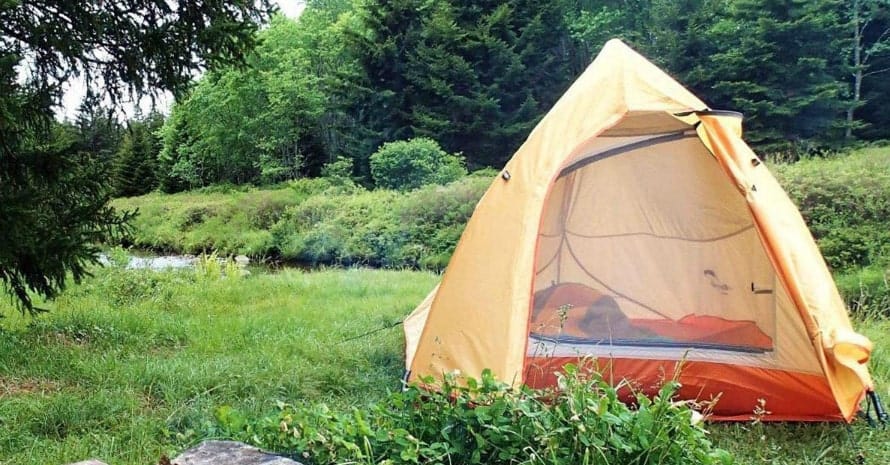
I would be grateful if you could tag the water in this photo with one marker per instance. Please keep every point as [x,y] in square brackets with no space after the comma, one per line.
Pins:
[146,261]
[163,262]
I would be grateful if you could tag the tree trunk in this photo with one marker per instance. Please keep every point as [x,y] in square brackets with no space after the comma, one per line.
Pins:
[857,74]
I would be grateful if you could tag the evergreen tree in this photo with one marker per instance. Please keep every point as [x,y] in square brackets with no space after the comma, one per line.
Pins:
[136,163]
[99,131]
[671,33]
[382,42]
[323,27]
[777,61]
[476,76]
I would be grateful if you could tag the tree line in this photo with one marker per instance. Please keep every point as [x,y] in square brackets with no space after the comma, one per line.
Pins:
[476,76]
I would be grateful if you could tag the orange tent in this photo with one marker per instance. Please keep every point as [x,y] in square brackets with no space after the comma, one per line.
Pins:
[636,227]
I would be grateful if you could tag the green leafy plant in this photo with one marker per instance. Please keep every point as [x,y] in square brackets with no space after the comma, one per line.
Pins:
[484,421]
[407,165]
[209,266]
[845,201]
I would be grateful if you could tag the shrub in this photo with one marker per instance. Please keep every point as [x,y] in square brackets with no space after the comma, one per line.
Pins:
[486,422]
[407,165]
[338,171]
[435,217]
[381,227]
[845,201]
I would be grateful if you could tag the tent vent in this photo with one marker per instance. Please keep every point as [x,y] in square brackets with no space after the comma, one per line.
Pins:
[506,175]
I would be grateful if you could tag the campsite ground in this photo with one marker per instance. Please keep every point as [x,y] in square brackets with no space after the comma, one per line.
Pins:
[132,364]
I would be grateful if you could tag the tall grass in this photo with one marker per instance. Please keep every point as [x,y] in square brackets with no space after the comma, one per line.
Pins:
[131,364]
[313,221]
[229,221]
[845,201]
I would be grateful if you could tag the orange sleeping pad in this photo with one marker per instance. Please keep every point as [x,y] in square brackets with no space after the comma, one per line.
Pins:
[583,314]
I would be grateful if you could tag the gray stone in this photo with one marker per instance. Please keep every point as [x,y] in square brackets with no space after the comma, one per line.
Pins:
[89,462]
[228,453]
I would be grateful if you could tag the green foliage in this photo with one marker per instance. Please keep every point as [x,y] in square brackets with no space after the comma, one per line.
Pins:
[315,221]
[350,75]
[869,60]
[233,222]
[380,228]
[212,267]
[784,72]
[866,290]
[789,73]
[99,133]
[845,201]
[271,121]
[130,364]
[52,196]
[470,421]
[476,76]
[135,167]
[407,165]
[247,124]
[339,172]
[53,212]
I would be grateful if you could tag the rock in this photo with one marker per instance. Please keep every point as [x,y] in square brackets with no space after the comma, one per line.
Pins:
[89,462]
[242,260]
[228,453]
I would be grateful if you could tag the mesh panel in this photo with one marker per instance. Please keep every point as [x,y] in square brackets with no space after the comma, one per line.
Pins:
[650,245]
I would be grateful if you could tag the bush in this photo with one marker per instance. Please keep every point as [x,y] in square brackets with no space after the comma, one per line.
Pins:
[338,171]
[472,422]
[845,201]
[231,221]
[407,165]
[381,227]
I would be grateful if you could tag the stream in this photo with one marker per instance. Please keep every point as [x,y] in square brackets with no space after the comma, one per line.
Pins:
[146,261]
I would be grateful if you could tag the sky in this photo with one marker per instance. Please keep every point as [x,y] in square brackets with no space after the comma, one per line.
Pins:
[77,88]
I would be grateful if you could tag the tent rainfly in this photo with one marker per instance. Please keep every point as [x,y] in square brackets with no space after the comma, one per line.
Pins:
[635,227]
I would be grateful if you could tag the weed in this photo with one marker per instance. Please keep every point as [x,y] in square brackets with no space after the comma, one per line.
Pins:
[210,267]
[469,421]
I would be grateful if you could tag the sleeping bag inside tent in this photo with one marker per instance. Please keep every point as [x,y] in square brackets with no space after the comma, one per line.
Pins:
[636,228]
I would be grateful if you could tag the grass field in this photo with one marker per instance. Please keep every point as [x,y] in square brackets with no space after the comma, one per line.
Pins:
[131,365]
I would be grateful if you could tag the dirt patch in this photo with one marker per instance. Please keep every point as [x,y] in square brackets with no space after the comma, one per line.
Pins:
[21,386]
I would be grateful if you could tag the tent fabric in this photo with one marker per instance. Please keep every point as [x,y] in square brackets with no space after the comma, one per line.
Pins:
[637,227]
